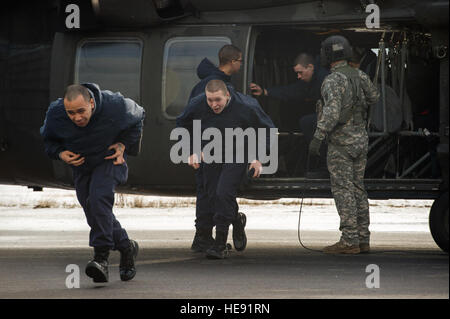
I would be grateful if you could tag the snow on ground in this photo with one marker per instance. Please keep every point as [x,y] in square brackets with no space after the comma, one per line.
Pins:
[58,210]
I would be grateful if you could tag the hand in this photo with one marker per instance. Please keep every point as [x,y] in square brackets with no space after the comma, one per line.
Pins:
[314,147]
[193,161]
[118,155]
[257,90]
[71,158]
[257,166]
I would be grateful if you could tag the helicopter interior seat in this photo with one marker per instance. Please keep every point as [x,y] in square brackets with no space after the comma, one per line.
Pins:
[400,149]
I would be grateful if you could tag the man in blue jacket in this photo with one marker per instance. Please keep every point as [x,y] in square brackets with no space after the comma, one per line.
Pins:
[305,92]
[230,62]
[222,108]
[93,131]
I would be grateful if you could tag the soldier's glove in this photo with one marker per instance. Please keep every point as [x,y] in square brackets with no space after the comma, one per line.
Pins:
[314,147]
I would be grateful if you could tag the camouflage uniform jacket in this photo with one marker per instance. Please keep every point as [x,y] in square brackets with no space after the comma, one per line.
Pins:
[337,96]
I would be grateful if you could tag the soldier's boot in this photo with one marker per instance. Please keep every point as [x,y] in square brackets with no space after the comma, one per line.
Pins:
[203,240]
[220,249]
[128,256]
[97,269]
[239,237]
[364,248]
[341,248]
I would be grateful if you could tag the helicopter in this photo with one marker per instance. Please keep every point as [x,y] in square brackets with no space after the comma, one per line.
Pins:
[149,50]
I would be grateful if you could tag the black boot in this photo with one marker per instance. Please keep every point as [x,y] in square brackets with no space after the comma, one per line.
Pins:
[203,240]
[239,237]
[127,258]
[97,268]
[219,250]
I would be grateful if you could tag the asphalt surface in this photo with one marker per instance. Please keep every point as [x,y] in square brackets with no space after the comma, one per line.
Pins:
[274,265]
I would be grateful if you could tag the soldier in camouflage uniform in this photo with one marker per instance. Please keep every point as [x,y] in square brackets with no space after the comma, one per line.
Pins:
[342,121]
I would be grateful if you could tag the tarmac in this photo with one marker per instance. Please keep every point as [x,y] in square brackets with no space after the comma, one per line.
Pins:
[44,251]
[273,266]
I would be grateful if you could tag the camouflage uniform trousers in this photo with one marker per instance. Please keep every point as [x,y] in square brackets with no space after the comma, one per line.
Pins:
[346,166]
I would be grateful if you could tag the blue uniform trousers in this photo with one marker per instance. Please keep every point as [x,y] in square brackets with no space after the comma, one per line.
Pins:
[95,192]
[217,187]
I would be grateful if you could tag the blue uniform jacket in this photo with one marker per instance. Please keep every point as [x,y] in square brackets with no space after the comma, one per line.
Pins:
[207,71]
[302,92]
[241,112]
[114,119]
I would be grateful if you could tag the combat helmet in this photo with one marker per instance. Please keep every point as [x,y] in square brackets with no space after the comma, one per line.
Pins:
[333,49]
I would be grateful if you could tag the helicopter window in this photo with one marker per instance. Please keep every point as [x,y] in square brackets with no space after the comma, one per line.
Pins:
[182,55]
[113,64]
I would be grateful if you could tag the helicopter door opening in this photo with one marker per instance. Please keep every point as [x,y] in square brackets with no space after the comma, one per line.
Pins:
[403,125]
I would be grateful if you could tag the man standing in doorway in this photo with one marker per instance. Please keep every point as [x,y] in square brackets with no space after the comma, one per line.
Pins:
[305,92]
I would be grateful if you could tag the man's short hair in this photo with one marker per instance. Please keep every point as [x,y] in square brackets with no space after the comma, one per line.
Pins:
[73,91]
[216,85]
[229,53]
[304,59]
